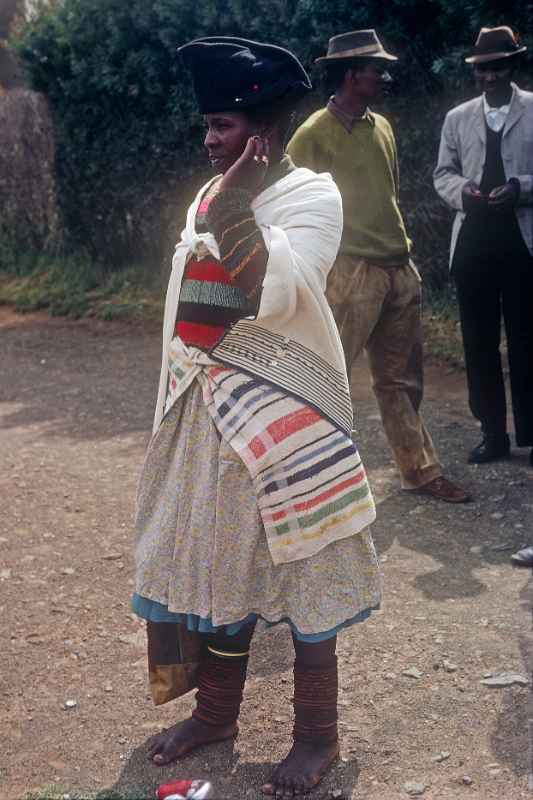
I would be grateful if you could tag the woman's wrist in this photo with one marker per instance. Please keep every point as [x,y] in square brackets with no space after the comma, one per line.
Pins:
[228,205]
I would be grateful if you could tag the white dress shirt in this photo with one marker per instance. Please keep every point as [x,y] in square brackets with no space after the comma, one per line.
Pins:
[495,117]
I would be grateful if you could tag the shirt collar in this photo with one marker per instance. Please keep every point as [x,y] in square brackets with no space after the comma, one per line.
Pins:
[347,120]
[496,117]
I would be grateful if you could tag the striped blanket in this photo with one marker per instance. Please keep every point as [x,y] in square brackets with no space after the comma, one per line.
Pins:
[310,484]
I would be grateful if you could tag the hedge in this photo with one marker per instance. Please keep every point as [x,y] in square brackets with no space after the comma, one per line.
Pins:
[129,139]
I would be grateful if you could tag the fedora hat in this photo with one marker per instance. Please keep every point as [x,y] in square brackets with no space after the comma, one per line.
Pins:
[492,44]
[356,44]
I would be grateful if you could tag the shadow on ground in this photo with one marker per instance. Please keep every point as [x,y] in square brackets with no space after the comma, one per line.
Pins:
[232,778]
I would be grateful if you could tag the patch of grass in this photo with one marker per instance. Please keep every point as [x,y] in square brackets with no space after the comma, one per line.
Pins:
[442,331]
[74,288]
[58,792]
[55,792]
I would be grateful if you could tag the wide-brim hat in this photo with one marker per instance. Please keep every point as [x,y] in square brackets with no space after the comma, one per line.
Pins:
[233,74]
[493,44]
[356,44]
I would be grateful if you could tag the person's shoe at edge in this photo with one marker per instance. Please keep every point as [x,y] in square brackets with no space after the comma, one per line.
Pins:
[442,489]
[523,558]
[490,449]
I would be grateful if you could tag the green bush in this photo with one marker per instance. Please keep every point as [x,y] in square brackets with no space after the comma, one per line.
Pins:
[129,137]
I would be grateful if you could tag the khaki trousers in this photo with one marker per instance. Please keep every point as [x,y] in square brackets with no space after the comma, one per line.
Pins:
[378,309]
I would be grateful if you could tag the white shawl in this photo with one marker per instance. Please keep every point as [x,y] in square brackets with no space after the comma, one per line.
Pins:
[300,217]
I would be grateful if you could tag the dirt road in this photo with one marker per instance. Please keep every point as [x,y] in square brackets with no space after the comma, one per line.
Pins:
[76,410]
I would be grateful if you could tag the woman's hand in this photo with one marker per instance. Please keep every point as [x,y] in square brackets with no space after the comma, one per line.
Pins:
[249,171]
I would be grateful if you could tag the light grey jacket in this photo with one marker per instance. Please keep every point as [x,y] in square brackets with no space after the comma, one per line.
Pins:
[462,157]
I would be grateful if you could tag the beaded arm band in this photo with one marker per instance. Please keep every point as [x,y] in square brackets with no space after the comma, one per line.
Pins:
[242,250]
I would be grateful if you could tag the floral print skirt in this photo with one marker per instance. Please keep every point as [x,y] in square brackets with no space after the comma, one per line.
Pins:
[201,550]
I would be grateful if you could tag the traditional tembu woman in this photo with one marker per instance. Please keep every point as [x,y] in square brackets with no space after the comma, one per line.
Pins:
[253,502]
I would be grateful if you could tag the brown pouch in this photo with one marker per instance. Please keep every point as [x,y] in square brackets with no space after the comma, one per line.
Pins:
[174,656]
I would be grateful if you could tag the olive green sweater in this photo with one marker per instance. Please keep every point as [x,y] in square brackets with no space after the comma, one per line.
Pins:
[364,166]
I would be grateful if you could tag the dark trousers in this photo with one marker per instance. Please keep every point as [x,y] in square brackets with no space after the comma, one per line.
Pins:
[493,277]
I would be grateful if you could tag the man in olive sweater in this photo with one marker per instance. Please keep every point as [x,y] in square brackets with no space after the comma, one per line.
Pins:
[374,288]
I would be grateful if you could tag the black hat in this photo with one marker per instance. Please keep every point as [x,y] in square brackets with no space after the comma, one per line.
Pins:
[494,44]
[232,74]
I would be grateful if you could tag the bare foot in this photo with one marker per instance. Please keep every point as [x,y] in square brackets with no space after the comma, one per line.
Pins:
[179,740]
[302,770]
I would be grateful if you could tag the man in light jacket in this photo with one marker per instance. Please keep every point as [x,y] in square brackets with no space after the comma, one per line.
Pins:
[485,173]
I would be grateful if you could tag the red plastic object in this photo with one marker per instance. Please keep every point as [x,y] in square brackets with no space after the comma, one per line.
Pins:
[188,790]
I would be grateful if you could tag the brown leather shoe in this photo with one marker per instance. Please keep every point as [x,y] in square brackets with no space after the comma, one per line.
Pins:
[443,489]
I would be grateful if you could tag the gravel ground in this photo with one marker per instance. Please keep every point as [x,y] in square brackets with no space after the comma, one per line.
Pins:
[76,407]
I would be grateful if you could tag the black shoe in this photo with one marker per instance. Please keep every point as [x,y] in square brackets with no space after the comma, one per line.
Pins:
[490,449]
[523,558]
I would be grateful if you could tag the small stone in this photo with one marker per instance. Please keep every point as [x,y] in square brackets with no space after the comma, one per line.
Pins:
[476,549]
[412,672]
[108,688]
[503,679]
[389,676]
[438,640]
[112,556]
[467,780]
[498,498]
[417,510]
[5,574]
[68,571]
[449,667]
[440,757]
[337,794]
[497,515]
[71,703]
[414,788]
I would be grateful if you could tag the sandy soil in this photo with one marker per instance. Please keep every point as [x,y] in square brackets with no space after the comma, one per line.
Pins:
[76,406]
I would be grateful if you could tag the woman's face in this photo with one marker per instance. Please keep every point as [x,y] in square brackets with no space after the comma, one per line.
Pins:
[226,137]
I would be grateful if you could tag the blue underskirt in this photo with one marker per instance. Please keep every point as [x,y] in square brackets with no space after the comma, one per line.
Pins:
[157,612]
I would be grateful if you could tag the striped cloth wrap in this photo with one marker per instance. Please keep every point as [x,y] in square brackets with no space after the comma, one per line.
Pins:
[310,483]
